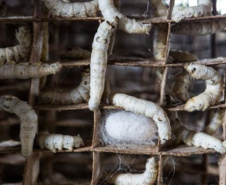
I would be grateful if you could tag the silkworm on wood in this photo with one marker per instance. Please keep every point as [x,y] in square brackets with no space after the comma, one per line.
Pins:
[182,56]
[148,109]
[76,53]
[214,85]
[199,28]
[109,11]
[191,138]
[28,70]
[19,52]
[202,9]
[59,142]
[28,120]
[98,61]
[77,9]
[216,120]
[148,177]
[75,96]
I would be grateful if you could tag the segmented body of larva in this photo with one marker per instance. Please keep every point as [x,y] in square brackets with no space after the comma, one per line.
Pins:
[74,96]
[28,120]
[55,142]
[199,28]
[148,177]
[109,11]
[202,9]
[19,52]
[216,120]
[214,85]
[148,109]
[191,138]
[98,61]
[77,9]
[28,70]
[76,53]
[182,56]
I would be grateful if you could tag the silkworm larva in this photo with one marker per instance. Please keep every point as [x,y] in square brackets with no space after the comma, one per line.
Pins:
[148,177]
[199,28]
[202,9]
[55,142]
[182,56]
[109,11]
[77,9]
[28,70]
[181,85]
[214,85]
[215,122]
[191,138]
[148,109]
[74,96]
[76,53]
[28,120]
[98,61]
[19,52]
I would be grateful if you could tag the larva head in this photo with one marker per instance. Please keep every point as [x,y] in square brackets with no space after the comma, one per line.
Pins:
[6,102]
[78,141]
[112,23]
[23,35]
[196,70]
[152,161]
[68,142]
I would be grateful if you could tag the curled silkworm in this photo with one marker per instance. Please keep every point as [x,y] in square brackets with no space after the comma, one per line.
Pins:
[55,142]
[121,126]
[213,90]
[215,121]
[28,120]
[109,11]
[199,28]
[19,52]
[202,9]
[76,53]
[77,9]
[148,177]
[148,109]
[98,61]
[28,70]
[74,96]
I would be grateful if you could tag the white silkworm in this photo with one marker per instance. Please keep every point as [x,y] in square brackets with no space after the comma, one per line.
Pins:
[199,28]
[77,9]
[55,142]
[202,9]
[28,70]
[75,96]
[76,53]
[214,85]
[148,177]
[98,61]
[19,52]
[215,122]
[109,11]
[120,128]
[148,109]
[28,120]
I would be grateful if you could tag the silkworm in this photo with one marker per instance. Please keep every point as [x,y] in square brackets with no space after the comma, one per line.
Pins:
[59,142]
[76,53]
[148,109]
[182,56]
[98,61]
[109,11]
[191,138]
[77,9]
[199,28]
[75,96]
[202,9]
[216,120]
[121,126]
[214,85]
[28,70]
[148,177]
[28,120]
[19,52]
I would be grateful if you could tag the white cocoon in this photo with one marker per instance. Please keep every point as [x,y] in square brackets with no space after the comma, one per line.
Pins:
[129,128]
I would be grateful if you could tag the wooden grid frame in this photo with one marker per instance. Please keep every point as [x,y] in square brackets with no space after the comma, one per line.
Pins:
[32,163]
